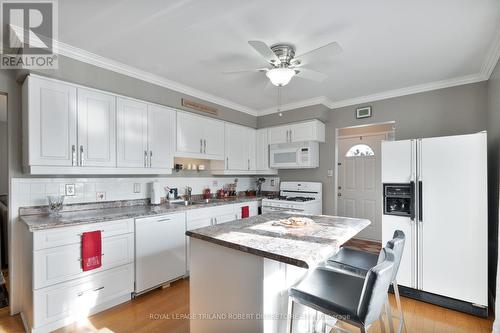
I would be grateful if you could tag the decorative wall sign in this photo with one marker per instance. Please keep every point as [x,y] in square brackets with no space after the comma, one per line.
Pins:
[364,112]
[198,106]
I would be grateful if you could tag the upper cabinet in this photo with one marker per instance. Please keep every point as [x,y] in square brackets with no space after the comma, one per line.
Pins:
[199,137]
[146,135]
[96,128]
[240,148]
[262,152]
[132,128]
[50,122]
[313,130]
[69,129]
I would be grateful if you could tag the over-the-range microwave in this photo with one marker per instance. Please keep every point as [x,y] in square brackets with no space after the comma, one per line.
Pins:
[296,155]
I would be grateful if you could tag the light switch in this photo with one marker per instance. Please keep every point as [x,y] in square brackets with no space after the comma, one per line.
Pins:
[100,196]
[137,187]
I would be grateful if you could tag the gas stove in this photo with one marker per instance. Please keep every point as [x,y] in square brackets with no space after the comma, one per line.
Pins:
[300,197]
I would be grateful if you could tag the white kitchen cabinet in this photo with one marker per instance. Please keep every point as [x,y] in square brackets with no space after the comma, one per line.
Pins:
[161,136]
[240,148]
[50,122]
[132,130]
[199,137]
[96,128]
[312,130]
[262,152]
[160,250]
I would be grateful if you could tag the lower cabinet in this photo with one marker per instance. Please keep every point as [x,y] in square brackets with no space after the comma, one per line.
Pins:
[61,292]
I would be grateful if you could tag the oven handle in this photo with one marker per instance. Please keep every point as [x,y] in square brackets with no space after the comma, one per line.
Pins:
[412,202]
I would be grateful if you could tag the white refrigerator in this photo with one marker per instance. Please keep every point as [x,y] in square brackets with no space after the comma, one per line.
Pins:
[446,249]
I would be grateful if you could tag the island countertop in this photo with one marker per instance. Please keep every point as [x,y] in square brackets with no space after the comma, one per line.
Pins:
[303,247]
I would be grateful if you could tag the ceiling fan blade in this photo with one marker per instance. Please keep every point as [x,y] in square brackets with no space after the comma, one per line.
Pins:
[331,48]
[246,71]
[264,51]
[310,75]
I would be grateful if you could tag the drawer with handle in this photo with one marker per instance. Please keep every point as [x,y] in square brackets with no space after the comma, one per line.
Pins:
[62,263]
[81,297]
[44,239]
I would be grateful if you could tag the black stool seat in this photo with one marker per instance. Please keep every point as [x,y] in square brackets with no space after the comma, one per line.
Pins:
[353,260]
[330,292]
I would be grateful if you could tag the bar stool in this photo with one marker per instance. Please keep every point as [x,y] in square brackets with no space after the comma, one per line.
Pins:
[358,262]
[357,301]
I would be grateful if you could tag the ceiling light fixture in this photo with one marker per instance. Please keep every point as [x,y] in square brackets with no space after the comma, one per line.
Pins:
[280,76]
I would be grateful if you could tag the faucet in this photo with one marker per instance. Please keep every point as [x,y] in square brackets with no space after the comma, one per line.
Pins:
[188,193]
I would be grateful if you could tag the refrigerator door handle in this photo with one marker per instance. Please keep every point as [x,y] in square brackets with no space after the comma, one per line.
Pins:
[420,203]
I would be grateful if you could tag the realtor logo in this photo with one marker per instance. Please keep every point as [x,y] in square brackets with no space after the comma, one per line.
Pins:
[28,32]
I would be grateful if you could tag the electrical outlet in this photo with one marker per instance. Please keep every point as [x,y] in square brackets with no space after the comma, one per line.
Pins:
[330,173]
[69,190]
[272,182]
[137,187]
[100,196]
[215,183]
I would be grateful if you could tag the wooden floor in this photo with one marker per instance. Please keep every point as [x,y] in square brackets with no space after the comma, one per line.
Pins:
[135,316]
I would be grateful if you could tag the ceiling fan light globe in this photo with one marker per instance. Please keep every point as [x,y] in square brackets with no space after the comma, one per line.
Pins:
[280,76]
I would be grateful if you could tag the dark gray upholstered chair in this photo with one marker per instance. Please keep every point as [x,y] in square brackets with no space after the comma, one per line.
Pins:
[359,263]
[358,301]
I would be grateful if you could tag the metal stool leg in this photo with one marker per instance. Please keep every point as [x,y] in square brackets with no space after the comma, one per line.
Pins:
[289,322]
[402,323]
[389,314]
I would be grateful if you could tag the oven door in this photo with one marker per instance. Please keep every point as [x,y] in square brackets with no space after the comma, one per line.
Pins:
[284,158]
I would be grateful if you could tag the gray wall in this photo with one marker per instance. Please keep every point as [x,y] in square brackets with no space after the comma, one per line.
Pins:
[493,170]
[4,165]
[456,110]
[92,76]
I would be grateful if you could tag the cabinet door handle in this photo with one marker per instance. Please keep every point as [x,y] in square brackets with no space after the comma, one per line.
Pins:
[290,135]
[81,155]
[145,158]
[201,145]
[205,146]
[73,155]
[248,164]
[162,220]
[150,158]
[227,163]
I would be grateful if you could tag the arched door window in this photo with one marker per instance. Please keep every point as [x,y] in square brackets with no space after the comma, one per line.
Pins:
[360,150]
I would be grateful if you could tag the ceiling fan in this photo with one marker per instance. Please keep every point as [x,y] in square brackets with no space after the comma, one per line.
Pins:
[285,65]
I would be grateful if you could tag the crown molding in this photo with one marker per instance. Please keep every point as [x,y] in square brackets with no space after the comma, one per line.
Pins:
[491,59]
[321,100]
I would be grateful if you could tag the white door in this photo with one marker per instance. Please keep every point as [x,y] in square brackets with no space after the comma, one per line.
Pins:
[236,147]
[360,186]
[96,129]
[52,123]
[132,138]
[213,146]
[161,136]
[453,217]
[278,134]
[302,132]
[251,142]
[262,150]
[189,134]
[160,246]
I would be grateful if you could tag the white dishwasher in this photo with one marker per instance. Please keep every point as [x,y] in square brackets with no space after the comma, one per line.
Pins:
[160,250]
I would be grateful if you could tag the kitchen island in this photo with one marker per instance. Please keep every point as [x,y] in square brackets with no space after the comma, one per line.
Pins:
[240,271]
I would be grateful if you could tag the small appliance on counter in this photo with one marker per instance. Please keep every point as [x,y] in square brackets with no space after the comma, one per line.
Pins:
[207,194]
[172,193]
[157,193]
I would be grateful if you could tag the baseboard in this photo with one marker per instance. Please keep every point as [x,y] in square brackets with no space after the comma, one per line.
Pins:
[445,302]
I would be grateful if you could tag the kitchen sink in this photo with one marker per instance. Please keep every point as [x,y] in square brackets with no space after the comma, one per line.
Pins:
[186,203]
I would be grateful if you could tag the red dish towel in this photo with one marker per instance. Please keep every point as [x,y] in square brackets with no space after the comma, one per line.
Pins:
[91,250]
[245,212]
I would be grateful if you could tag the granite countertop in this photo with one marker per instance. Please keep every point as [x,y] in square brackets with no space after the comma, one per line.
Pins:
[304,247]
[123,210]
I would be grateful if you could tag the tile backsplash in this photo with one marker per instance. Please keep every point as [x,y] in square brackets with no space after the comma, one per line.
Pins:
[34,191]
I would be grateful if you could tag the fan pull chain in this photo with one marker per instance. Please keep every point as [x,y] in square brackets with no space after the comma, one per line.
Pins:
[279,101]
